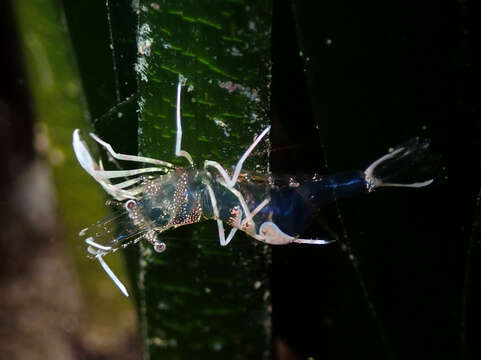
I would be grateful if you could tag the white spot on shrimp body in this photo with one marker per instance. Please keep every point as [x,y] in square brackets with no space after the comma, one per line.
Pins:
[273,235]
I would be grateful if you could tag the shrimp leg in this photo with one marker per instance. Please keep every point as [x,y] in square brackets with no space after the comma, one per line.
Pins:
[102,176]
[229,183]
[220,225]
[125,157]
[178,141]
[111,274]
[179,152]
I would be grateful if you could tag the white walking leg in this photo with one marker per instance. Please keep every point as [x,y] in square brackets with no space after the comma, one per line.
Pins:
[111,274]
[220,224]
[178,143]
[223,172]
[246,154]
[91,242]
[249,218]
[125,157]
[127,183]
[230,182]
[96,170]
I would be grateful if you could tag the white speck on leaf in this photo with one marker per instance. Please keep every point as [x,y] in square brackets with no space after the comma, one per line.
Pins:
[144,47]
[223,125]
[141,68]
[144,44]
[234,52]
[231,87]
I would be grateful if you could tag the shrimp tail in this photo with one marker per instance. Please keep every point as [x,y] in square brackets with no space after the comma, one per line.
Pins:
[409,165]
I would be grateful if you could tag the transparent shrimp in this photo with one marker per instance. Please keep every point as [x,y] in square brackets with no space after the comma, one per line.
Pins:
[157,198]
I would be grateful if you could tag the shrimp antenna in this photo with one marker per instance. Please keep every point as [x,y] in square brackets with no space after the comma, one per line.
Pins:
[111,274]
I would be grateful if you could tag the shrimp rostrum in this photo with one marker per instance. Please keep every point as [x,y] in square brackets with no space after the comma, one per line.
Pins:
[159,196]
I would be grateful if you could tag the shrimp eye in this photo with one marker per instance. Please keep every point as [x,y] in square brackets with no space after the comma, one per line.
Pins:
[160,247]
[130,205]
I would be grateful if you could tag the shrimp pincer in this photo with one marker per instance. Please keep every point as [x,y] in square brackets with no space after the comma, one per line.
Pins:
[160,196]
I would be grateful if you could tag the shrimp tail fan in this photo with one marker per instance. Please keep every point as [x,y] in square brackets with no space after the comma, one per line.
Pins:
[408,165]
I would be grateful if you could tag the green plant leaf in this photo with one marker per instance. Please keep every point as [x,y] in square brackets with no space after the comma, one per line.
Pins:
[196,299]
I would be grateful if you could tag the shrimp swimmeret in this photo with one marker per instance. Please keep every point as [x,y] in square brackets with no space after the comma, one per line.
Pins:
[160,197]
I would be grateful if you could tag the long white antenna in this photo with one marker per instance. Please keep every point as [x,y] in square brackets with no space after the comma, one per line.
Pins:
[111,274]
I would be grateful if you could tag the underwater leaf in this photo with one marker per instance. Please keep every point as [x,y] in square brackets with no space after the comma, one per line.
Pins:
[199,298]
[196,299]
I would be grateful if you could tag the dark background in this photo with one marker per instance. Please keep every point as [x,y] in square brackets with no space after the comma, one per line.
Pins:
[379,73]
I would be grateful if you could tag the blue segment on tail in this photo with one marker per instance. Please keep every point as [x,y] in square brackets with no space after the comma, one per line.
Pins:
[293,208]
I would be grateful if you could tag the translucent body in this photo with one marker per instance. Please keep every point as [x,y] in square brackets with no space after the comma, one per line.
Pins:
[270,210]
[181,198]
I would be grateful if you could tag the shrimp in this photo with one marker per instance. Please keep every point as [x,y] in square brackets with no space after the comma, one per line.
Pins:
[161,197]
